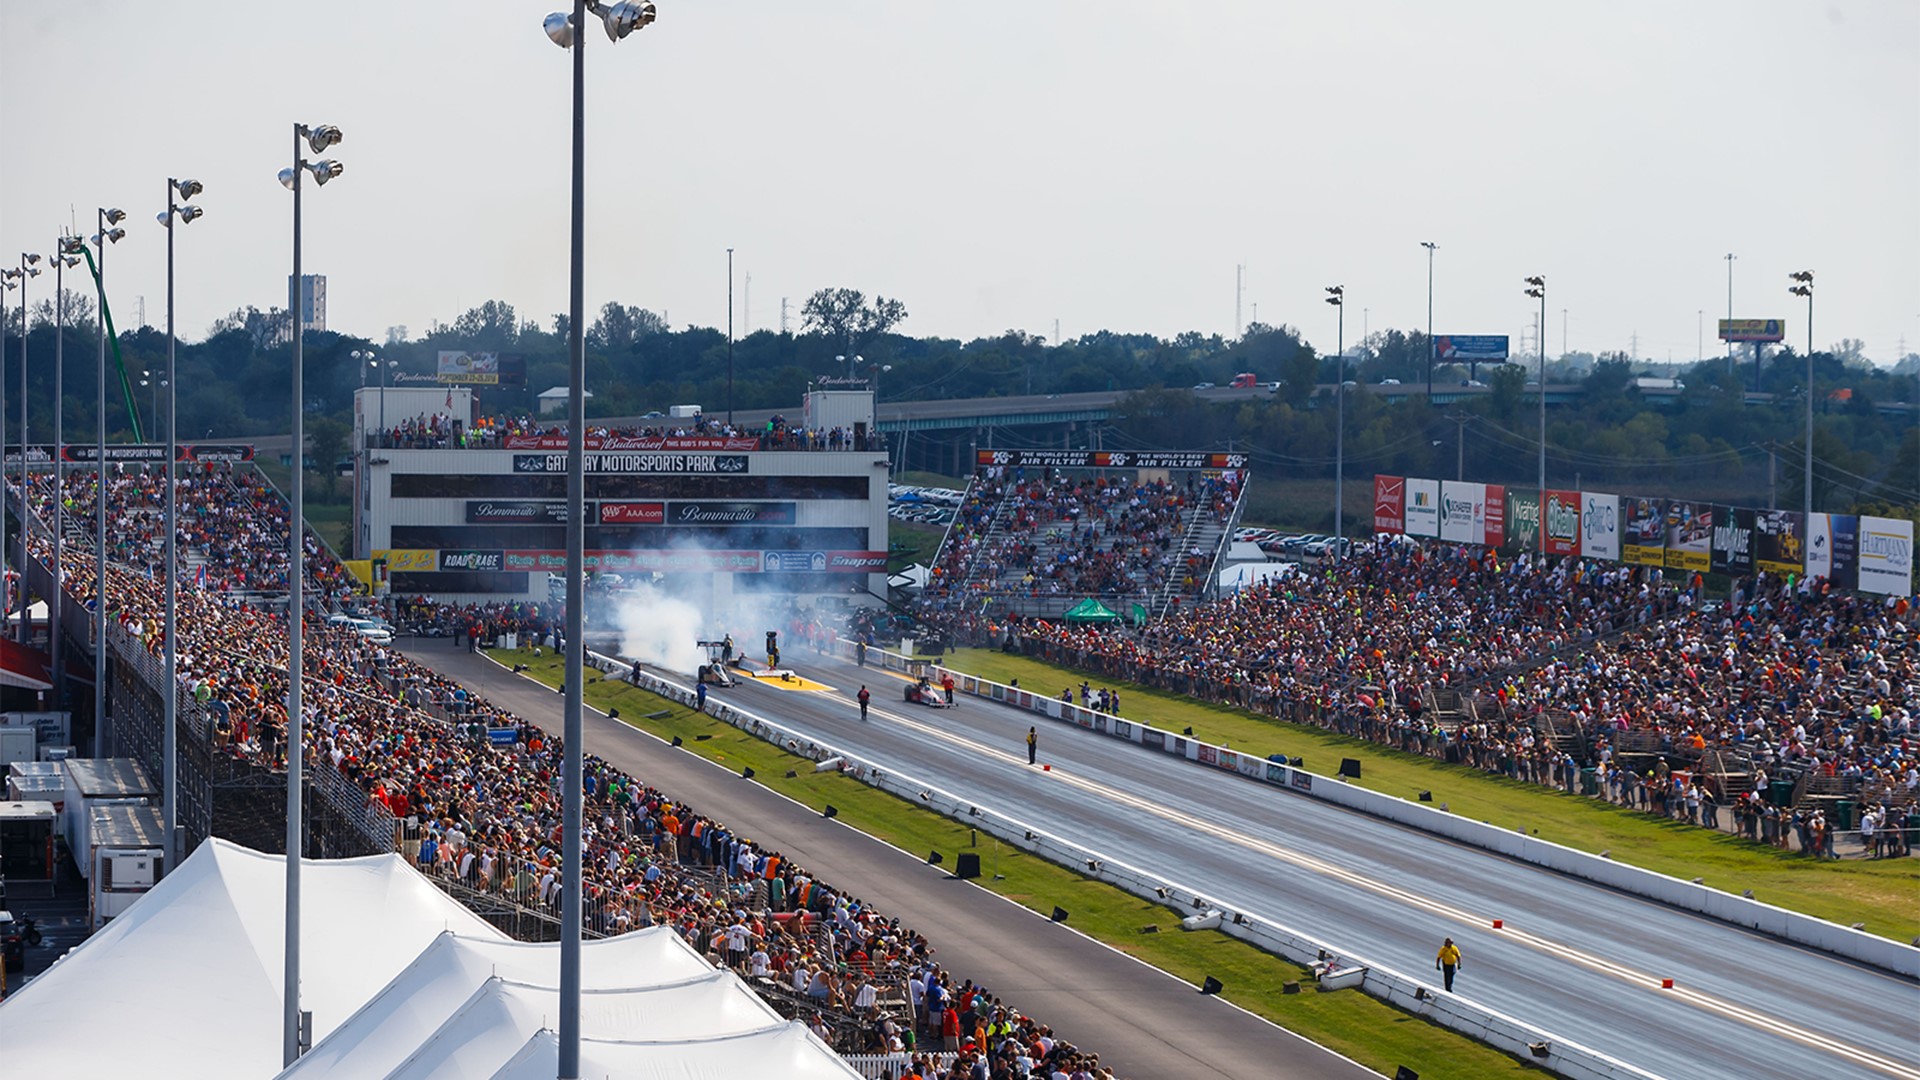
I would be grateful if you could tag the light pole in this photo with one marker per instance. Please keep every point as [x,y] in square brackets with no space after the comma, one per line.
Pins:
[1337,296]
[1804,287]
[109,233]
[1431,248]
[67,255]
[568,32]
[362,359]
[319,137]
[1756,370]
[729,338]
[28,270]
[186,189]
[1537,288]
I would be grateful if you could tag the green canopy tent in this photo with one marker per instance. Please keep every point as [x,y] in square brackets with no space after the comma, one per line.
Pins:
[1091,610]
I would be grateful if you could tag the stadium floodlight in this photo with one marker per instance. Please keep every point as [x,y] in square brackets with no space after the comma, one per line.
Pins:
[1804,278]
[1537,289]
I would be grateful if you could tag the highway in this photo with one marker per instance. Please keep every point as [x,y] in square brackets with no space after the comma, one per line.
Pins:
[1576,959]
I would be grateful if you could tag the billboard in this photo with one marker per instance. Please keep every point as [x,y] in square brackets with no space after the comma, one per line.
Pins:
[1470,348]
[1644,537]
[516,512]
[1523,519]
[1600,525]
[1886,556]
[632,513]
[469,369]
[1560,523]
[1753,329]
[1423,507]
[488,561]
[1732,540]
[1463,512]
[1779,541]
[732,513]
[1496,516]
[1833,549]
[1689,536]
[1389,504]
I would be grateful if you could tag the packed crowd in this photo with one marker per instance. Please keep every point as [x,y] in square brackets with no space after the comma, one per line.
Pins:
[1055,533]
[442,431]
[1664,691]
[484,812]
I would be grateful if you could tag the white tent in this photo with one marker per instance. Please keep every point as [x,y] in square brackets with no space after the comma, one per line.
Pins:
[1235,578]
[790,1052]
[187,983]
[444,978]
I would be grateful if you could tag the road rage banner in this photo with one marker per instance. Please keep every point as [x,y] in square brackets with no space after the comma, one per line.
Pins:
[1732,540]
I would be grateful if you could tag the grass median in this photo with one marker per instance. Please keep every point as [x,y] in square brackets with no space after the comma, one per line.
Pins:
[1885,894]
[1369,1031]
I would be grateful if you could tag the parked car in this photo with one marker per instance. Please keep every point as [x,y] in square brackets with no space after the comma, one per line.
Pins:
[1203,386]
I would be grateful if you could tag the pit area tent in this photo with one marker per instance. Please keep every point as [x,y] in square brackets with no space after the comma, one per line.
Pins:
[187,980]
[790,1052]
[1091,610]
[441,980]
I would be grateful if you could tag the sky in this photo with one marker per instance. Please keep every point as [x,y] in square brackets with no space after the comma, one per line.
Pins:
[1002,166]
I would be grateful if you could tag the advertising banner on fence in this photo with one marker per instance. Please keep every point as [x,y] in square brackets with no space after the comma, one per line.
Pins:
[1423,507]
[632,442]
[1110,459]
[1389,504]
[516,512]
[1732,540]
[734,464]
[1495,531]
[1560,523]
[1843,549]
[632,513]
[1886,556]
[409,560]
[1600,525]
[1523,519]
[1644,541]
[732,513]
[1689,536]
[694,561]
[1779,541]
[1463,512]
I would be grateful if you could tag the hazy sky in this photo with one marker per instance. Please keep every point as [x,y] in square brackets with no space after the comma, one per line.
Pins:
[1000,165]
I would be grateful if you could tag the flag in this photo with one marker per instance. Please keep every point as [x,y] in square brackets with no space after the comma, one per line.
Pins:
[449,397]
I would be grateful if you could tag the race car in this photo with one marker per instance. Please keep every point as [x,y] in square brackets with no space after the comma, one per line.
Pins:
[925,693]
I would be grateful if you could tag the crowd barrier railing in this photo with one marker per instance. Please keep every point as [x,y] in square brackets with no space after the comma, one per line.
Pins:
[1790,925]
[1571,1060]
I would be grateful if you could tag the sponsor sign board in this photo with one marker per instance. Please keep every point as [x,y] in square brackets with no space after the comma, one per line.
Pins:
[1474,348]
[1560,523]
[1844,536]
[1496,516]
[1732,540]
[1389,504]
[1645,540]
[1463,512]
[483,561]
[1600,525]
[1523,519]
[634,463]
[1886,556]
[139,453]
[516,512]
[468,368]
[1423,507]
[409,560]
[795,562]
[632,513]
[732,513]
[696,561]
[1689,536]
[1110,459]
[631,442]
[1753,329]
[1779,541]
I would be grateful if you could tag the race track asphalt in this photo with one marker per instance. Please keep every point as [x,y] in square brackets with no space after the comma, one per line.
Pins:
[1144,1023]
[1579,960]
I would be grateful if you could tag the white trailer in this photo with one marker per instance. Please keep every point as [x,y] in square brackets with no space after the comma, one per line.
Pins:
[96,782]
[128,858]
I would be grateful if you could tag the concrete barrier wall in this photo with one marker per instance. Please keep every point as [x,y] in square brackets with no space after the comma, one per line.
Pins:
[1789,925]
[1459,1014]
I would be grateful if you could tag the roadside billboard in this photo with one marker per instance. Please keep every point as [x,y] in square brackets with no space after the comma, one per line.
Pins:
[1779,541]
[1886,556]
[1463,512]
[1523,519]
[1689,536]
[1600,525]
[1732,540]
[468,368]
[1560,523]
[1389,504]
[1644,541]
[1470,348]
[1753,329]
[1423,507]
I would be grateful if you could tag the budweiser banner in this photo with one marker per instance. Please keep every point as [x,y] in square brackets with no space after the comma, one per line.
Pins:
[1389,504]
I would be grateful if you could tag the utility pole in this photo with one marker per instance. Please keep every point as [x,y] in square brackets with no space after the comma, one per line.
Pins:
[1056,333]
[1239,290]
[1730,258]
[746,306]
[783,315]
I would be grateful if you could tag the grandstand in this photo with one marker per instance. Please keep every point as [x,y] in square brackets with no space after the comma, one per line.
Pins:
[1040,533]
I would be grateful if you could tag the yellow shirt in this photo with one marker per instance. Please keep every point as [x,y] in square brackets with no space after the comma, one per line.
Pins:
[1450,955]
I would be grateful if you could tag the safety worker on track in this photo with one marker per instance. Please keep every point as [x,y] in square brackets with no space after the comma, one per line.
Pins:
[1447,962]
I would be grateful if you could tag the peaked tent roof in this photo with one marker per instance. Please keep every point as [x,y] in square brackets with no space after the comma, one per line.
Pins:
[790,1052]
[1091,610]
[392,1024]
[191,973]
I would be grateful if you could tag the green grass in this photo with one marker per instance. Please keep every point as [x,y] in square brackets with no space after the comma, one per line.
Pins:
[939,480]
[915,543]
[1369,1031]
[1885,894]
